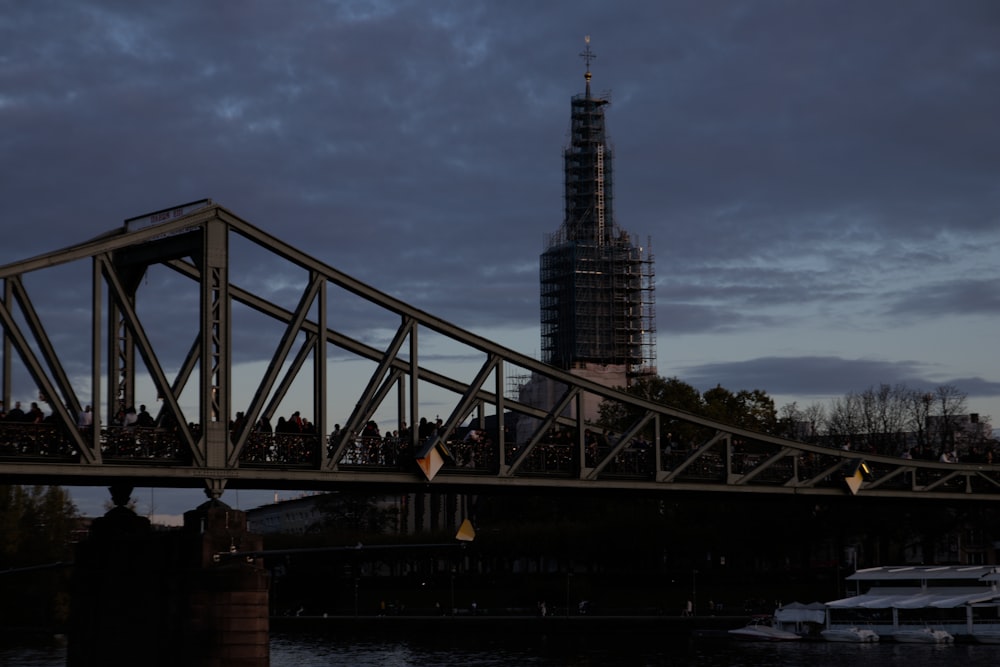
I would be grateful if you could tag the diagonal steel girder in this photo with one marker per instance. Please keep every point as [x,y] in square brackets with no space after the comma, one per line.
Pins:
[12,332]
[623,442]
[131,319]
[210,350]
[465,404]
[274,366]
[389,356]
[366,404]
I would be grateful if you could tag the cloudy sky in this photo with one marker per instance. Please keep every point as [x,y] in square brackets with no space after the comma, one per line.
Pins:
[820,180]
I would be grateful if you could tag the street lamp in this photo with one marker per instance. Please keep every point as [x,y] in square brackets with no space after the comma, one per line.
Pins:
[694,592]
[569,576]
[452,590]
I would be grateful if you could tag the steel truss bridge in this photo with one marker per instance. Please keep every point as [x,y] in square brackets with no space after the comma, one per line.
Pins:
[186,302]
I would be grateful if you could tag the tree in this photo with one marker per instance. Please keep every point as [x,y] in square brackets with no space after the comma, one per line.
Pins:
[950,403]
[883,416]
[845,423]
[36,523]
[815,416]
[756,411]
[919,413]
[805,424]
[12,508]
[753,410]
[36,526]
[721,405]
[667,391]
[618,417]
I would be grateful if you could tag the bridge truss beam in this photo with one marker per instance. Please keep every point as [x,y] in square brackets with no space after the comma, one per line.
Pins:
[246,347]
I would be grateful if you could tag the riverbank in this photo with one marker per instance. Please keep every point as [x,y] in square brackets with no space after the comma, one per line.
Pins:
[660,625]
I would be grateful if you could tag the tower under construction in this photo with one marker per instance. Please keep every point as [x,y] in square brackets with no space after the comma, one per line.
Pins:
[597,285]
[598,310]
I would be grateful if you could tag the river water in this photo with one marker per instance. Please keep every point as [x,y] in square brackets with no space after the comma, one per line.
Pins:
[601,651]
[594,649]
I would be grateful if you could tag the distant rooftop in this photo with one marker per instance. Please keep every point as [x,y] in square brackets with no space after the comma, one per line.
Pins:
[919,572]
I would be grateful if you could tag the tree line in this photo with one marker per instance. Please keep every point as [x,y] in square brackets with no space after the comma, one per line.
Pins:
[887,419]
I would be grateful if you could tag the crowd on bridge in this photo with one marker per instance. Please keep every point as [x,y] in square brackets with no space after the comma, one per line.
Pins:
[34,414]
[295,440]
[944,453]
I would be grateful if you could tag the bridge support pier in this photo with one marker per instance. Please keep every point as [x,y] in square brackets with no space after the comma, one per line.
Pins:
[143,596]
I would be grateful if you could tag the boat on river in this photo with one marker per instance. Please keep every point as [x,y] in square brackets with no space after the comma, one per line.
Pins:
[761,629]
[987,636]
[925,635]
[849,634]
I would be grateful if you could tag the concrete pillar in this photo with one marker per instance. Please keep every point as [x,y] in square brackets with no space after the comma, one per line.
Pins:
[165,597]
[228,597]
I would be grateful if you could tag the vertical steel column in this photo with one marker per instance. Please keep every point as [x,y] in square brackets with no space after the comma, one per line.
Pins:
[319,371]
[657,452]
[401,406]
[581,438]
[501,442]
[216,339]
[414,394]
[121,360]
[97,292]
[5,379]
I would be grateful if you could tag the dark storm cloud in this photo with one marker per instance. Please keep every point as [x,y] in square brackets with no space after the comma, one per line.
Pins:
[826,162]
[959,297]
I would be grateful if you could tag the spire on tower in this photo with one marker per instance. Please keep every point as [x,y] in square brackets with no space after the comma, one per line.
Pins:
[588,56]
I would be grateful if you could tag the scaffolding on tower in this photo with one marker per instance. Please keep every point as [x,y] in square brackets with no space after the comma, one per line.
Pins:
[597,286]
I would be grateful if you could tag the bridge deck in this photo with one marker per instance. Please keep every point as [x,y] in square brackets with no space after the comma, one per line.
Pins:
[331,328]
[153,456]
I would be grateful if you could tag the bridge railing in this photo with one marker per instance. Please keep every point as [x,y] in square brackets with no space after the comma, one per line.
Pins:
[36,441]
[281,449]
[141,443]
[719,460]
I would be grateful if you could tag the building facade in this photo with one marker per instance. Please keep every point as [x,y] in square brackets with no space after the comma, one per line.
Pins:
[400,514]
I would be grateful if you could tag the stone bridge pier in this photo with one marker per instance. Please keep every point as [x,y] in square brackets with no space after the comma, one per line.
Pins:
[164,597]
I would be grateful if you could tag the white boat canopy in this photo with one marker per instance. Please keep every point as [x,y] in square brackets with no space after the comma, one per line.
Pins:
[881,600]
